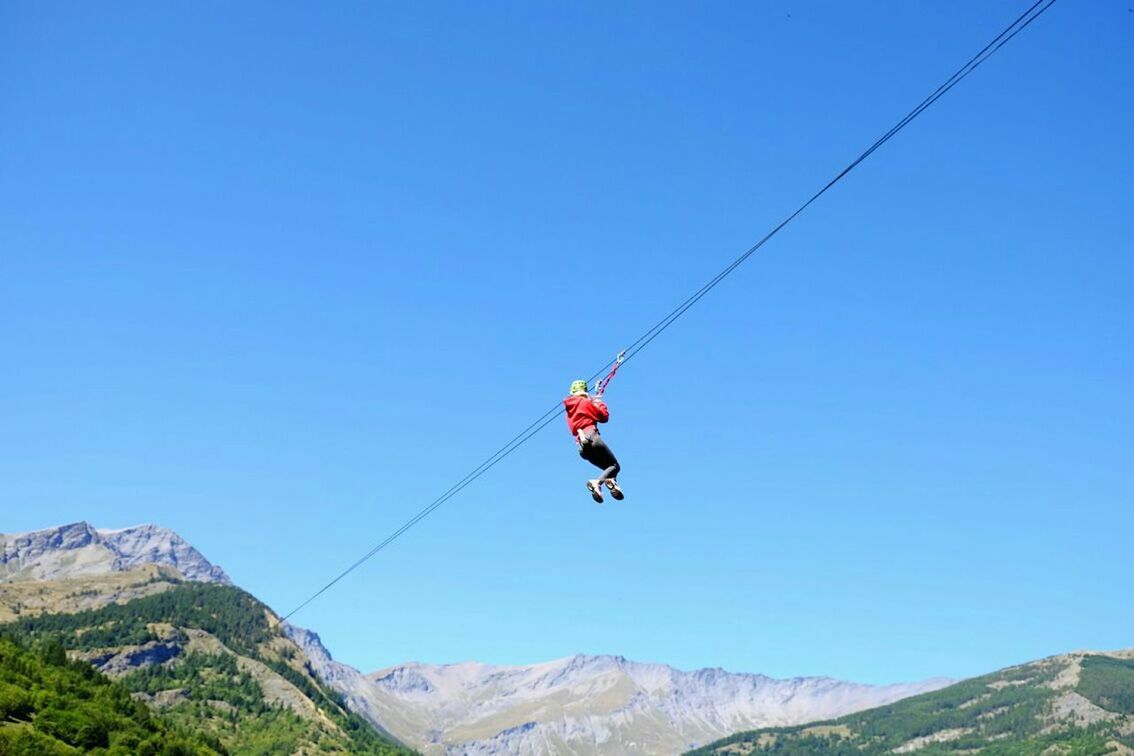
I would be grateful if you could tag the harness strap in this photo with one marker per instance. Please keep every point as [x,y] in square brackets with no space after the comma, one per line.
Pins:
[601,387]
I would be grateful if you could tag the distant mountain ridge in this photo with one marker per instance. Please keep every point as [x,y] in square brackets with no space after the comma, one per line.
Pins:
[583,704]
[78,549]
[1079,703]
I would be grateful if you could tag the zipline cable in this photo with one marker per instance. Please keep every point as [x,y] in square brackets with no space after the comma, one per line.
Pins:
[1021,23]
[518,440]
[1001,39]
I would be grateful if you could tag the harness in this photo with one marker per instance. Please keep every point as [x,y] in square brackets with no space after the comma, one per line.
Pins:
[583,437]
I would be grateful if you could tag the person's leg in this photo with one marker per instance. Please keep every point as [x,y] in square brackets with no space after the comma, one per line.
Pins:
[599,454]
[594,486]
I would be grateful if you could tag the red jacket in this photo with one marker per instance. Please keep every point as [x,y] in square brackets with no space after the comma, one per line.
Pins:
[583,412]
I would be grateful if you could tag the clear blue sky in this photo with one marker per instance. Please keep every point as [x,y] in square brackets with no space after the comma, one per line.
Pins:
[275,276]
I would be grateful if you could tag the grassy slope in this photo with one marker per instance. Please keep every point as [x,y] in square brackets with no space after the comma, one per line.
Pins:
[32,598]
[250,688]
[1080,704]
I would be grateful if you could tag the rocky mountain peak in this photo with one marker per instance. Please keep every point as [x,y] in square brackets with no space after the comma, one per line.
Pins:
[78,549]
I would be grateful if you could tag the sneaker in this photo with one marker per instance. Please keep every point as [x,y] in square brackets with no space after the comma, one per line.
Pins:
[596,490]
[615,491]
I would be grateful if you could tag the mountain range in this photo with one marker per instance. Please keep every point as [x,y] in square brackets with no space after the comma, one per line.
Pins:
[581,704]
[213,663]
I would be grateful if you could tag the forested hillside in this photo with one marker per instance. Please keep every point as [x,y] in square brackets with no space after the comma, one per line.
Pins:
[51,705]
[208,658]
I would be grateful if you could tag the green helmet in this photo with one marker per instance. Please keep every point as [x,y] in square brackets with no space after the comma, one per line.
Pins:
[579,387]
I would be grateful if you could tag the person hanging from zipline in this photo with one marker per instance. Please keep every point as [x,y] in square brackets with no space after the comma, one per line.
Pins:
[584,413]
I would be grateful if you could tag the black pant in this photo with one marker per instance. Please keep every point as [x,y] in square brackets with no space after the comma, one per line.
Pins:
[595,451]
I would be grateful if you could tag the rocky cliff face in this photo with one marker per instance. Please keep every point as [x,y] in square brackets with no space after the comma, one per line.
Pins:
[383,710]
[78,550]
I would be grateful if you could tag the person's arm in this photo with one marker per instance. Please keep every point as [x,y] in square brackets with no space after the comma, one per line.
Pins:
[602,414]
